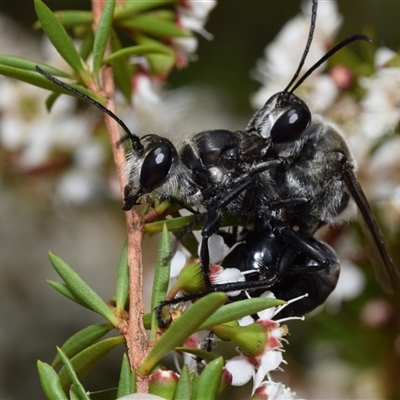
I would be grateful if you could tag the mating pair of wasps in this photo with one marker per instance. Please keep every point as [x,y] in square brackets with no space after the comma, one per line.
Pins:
[289,172]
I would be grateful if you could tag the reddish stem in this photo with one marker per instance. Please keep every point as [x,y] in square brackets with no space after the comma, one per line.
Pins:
[135,332]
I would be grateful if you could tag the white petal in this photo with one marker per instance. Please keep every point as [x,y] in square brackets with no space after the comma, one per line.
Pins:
[177,263]
[241,370]
[247,320]
[216,248]
[271,360]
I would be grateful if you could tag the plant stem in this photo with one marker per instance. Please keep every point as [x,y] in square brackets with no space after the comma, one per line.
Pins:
[135,333]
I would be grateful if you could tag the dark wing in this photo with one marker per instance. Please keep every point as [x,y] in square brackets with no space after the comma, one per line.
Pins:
[386,272]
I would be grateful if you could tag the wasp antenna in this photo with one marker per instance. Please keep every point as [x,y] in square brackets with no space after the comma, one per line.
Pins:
[308,44]
[329,54]
[136,144]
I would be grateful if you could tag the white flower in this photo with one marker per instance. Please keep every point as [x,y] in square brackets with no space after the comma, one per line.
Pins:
[381,104]
[192,15]
[27,127]
[147,91]
[244,367]
[284,54]
[274,391]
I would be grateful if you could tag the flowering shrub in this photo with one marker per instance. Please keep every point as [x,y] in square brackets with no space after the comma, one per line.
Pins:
[161,38]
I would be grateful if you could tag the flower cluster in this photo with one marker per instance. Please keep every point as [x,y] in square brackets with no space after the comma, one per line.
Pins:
[259,341]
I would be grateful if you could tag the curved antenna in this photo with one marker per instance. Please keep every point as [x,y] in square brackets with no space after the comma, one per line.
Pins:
[329,54]
[308,45]
[136,144]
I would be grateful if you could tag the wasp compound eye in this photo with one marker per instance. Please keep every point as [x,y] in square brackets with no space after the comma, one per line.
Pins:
[290,125]
[156,166]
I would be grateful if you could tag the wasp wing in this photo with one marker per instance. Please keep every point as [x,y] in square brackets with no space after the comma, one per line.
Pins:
[386,271]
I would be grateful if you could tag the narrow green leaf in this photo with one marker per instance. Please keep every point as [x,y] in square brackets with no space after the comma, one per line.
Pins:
[38,80]
[81,340]
[184,388]
[173,225]
[136,50]
[182,328]
[147,321]
[205,355]
[50,382]
[194,381]
[122,286]
[153,26]
[60,39]
[51,99]
[87,44]
[239,309]
[127,381]
[23,63]
[87,359]
[73,393]
[130,8]
[161,277]
[71,18]
[102,35]
[122,70]
[81,289]
[159,63]
[65,291]
[28,76]
[209,380]
[73,377]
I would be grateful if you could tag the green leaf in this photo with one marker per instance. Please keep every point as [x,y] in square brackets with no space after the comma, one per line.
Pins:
[159,63]
[136,50]
[82,290]
[161,277]
[69,370]
[23,63]
[71,18]
[87,44]
[209,380]
[127,380]
[65,291]
[50,382]
[60,39]
[28,76]
[147,321]
[122,287]
[182,328]
[130,8]
[87,359]
[122,70]
[51,99]
[183,389]
[173,225]
[102,35]
[205,355]
[73,393]
[153,26]
[81,340]
[239,309]
[194,381]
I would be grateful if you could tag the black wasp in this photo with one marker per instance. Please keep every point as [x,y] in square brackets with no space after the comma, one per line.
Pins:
[264,252]
[289,170]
